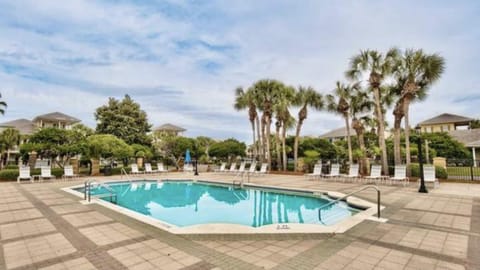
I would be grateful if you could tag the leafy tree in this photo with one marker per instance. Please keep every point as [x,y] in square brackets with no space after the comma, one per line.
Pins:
[9,138]
[377,66]
[243,100]
[125,120]
[56,143]
[446,146]
[475,124]
[325,148]
[174,148]
[227,148]
[203,143]
[142,151]
[108,146]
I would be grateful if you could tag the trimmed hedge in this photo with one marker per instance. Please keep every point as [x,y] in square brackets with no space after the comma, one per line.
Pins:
[12,174]
[11,167]
[440,172]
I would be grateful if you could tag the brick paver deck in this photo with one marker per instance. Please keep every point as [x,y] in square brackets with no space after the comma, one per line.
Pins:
[43,227]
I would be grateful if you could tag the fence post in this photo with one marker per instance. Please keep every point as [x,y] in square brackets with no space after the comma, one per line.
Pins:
[471,172]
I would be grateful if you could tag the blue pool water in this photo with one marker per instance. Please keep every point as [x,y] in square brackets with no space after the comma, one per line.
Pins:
[185,203]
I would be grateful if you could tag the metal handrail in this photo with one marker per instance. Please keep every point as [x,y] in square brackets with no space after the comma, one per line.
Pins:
[126,174]
[88,190]
[350,194]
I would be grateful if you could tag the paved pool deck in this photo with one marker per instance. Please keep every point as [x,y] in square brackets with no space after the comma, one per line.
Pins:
[43,227]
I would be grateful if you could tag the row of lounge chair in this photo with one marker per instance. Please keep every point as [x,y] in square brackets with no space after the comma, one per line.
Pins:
[45,173]
[400,174]
[241,170]
[148,169]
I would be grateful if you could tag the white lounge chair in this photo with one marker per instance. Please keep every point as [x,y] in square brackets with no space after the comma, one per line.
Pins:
[187,167]
[429,175]
[46,173]
[262,171]
[241,169]
[334,172]
[68,172]
[148,168]
[376,174]
[160,168]
[134,169]
[317,172]
[352,173]
[222,168]
[232,169]
[251,169]
[24,174]
[400,175]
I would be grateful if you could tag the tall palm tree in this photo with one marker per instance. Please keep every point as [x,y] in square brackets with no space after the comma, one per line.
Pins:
[244,100]
[265,94]
[304,98]
[339,103]
[284,100]
[376,66]
[415,71]
[10,138]
[360,106]
[3,105]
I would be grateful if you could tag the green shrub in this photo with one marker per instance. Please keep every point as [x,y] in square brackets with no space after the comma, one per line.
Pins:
[440,172]
[11,167]
[12,174]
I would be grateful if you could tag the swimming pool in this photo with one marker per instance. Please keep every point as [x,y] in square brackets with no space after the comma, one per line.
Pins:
[188,203]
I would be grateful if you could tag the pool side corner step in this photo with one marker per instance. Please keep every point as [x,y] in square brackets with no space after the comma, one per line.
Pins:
[374,218]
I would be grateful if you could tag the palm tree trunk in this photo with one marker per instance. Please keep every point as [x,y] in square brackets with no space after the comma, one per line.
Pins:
[277,145]
[254,144]
[264,138]
[397,153]
[284,150]
[364,166]
[349,140]
[381,130]
[259,138]
[8,156]
[267,141]
[295,146]
[407,137]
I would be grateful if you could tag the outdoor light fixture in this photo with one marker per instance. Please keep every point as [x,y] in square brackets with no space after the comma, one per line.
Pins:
[423,188]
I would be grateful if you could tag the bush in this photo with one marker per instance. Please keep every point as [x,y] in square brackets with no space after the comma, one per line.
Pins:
[440,172]
[12,174]
[11,167]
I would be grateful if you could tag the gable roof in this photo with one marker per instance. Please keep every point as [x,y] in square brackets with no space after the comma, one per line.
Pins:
[57,116]
[24,126]
[338,133]
[169,127]
[446,118]
[466,137]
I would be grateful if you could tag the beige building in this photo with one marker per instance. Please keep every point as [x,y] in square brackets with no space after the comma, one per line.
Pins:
[169,130]
[337,134]
[445,122]
[471,139]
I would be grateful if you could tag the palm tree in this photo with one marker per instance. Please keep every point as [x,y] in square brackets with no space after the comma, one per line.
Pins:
[377,66]
[340,103]
[3,105]
[415,71]
[265,95]
[10,137]
[360,104]
[304,98]
[244,100]
[284,100]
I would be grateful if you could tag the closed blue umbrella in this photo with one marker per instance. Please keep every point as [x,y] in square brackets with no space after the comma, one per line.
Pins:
[188,158]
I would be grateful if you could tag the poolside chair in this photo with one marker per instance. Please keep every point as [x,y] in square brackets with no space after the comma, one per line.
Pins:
[400,175]
[160,168]
[251,169]
[241,169]
[317,172]
[24,174]
[187,167]
[134,169]
[232,169]
[352,173]
[429,175]
[46,173]
[262,171]
[148,168]
[68,172]
[222,168]
[376,174]
[334,172]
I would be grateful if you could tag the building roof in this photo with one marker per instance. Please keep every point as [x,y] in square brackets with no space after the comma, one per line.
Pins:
[466,137]
[338,133]
[169,127]
[57,116]
[475,144]
[24,126]
[446,118]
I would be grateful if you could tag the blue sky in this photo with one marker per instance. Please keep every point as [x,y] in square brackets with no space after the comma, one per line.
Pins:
[181,60]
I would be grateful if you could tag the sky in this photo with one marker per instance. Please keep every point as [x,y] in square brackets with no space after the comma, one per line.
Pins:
[181,60]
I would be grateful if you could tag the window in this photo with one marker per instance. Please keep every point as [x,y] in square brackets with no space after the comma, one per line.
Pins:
[445,128]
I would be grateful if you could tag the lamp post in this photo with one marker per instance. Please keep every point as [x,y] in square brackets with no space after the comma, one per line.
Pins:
[196,160]
[423,188]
